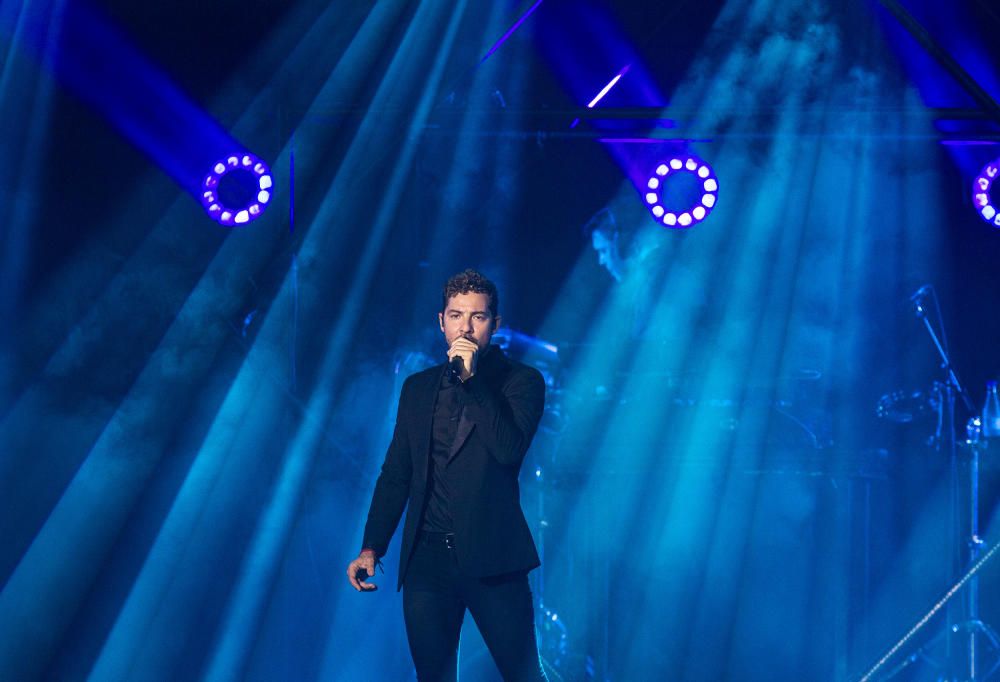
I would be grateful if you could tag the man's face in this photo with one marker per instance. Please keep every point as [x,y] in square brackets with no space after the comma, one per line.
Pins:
[468,315]
[607,252]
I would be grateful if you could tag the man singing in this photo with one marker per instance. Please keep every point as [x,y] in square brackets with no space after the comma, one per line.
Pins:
[461,433]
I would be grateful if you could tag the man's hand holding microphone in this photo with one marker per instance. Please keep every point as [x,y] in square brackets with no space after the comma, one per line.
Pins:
[462,357]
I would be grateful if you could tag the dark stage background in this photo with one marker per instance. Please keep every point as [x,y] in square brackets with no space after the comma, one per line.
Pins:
[192,416]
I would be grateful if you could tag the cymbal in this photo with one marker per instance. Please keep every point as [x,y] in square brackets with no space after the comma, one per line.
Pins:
[903,407]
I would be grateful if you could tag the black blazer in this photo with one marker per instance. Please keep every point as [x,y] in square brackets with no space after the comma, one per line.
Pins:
[501,406]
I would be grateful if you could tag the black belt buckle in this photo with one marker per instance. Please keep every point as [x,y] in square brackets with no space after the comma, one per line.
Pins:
[435,538]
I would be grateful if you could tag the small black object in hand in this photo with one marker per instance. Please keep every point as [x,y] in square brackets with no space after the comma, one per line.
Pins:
[362,574]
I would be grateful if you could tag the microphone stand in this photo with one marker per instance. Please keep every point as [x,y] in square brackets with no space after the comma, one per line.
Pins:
[947,435]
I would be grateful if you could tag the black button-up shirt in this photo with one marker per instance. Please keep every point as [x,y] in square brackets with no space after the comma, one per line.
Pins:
[447,410]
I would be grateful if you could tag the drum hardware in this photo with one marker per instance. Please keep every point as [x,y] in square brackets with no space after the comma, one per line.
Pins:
[803,438]
[903,407]
[966,665]
[553,639]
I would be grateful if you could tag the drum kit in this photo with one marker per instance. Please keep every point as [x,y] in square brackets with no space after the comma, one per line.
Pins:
[800,434]
[797,441]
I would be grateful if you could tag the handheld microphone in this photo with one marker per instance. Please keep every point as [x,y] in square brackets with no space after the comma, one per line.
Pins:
[362,574]
[455,369]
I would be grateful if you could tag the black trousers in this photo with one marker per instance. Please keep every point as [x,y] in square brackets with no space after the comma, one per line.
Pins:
[435,597]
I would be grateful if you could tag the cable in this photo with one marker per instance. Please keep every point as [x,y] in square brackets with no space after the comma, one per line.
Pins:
[930,614]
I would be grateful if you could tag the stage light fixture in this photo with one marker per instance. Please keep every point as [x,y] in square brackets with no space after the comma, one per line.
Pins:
[981,193]
[695,214]
[237,215]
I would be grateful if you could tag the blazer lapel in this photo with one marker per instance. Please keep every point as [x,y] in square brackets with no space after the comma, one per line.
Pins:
[426,402]
[493,361]
[461,434]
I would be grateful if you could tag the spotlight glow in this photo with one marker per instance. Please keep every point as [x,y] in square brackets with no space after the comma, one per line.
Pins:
[981,193]
[608,87]
[690,216]
[237,215]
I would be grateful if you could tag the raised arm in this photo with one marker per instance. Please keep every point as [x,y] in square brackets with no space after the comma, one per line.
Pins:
[507,419]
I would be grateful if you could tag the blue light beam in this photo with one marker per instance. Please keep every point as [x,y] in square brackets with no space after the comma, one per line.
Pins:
[108,73]
[510,31]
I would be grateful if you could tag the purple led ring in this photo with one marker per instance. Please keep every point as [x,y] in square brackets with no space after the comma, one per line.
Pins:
[981,193]
[698,212]
[227,215]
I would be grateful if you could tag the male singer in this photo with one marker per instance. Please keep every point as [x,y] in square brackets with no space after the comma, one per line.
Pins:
[461,433]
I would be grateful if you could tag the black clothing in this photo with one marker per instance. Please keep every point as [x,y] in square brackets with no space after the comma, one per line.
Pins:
[447,410]
[500,407]
[454,458]
[435,596]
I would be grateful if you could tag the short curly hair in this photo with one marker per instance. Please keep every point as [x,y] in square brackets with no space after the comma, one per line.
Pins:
[471,281]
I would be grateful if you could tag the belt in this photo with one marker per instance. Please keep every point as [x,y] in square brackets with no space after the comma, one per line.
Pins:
[435,538]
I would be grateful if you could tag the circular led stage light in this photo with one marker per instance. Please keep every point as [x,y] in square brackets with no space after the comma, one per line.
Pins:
[981,194]
[257,188]
[694,214]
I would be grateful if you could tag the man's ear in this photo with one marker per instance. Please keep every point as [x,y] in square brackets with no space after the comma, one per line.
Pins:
[496,322]
[441,321]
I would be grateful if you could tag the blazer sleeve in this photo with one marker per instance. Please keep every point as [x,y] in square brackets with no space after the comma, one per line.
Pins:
[507,419]
[392,487]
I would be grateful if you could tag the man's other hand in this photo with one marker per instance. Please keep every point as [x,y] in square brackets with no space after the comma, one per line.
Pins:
[365,560]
